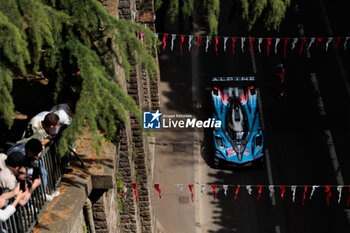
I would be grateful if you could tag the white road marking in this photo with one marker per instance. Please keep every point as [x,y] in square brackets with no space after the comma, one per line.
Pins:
[267,155]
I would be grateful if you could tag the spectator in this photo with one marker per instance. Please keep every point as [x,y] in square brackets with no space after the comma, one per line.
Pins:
[11,209]
[30,150]
[39,127]
[64,112]
[10,170]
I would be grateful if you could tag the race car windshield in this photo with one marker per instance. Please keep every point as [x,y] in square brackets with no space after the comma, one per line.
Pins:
[235,119]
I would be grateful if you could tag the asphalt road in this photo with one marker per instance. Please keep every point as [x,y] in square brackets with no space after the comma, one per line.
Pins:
[299,152]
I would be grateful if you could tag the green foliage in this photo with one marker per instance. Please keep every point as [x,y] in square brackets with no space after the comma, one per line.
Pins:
[271,11]
[61,37]
[120,188]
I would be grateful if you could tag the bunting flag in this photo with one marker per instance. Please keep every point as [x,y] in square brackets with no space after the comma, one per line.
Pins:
[249,189]
[190,38]
[157,35]
[295,40]
[268,46]
[140,36]
[156,186]
[259,192]
[216,45]
[283,190]
[339,188]
[303,41]
[202,188]
[272,190]
[304,194]
[164,40]
[134,186]
[199,39]
[242,44]
[294,189]
[225,40]
[259,43]
[214,190]
[346,40]
[233,45]
[207,44]
[276,44]
[312,40]
[124,193]
[328,193]
[314,187]
[329,41]
[337,44]
[236,192]
[191,189]
[180,186]
[251,40]
[181,42]
[319,40]
[225,189]
[285,47]
[173,36]
[145,186]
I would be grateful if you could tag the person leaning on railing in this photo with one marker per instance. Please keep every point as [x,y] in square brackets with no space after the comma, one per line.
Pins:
[11,209]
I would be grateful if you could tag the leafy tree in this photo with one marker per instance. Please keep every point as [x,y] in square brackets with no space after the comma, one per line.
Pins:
[271,11]
[59,37]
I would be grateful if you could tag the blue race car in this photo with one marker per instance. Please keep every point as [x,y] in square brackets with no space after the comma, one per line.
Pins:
[239,140]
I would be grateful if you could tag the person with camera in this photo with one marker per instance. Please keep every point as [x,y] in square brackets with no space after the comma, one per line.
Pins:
[11,209]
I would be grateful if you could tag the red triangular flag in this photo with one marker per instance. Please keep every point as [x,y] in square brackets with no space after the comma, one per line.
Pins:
[268,45]
[191,189]
[156,186]
[134,186]
[198,42]
[216,45]
[214,190]
[233,45]
[328,192]
[236,193]
[337,44]
[259,192]
[303,41]
[319,40]
[285,47]
[251,40]
[181,42]
[304,195]
[164,40]
[140,36]
[283,190]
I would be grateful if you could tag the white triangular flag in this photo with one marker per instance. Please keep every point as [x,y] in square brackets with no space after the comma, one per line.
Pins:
[249,189]
[190,38]
[225,39]
[181,188]
[125,191]
[313,190]
[329,41]
[242,43]
[276,44]
[272,189]
[173,36]
[339,188]
[312,40]
[225,189]
[295,40]
[294,189]
[259,42]
[157,35]
[207,44]
[346,40]
[202,188]
[145,185]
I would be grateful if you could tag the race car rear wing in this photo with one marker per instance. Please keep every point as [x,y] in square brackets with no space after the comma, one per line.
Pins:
[234,81]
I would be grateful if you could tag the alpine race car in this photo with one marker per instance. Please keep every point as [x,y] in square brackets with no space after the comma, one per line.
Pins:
[239,140]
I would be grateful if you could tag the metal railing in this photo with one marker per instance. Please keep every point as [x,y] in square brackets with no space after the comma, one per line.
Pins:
[25,217]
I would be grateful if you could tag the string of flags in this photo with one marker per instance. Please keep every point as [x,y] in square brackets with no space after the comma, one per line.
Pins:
[307,190]
[243,42]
